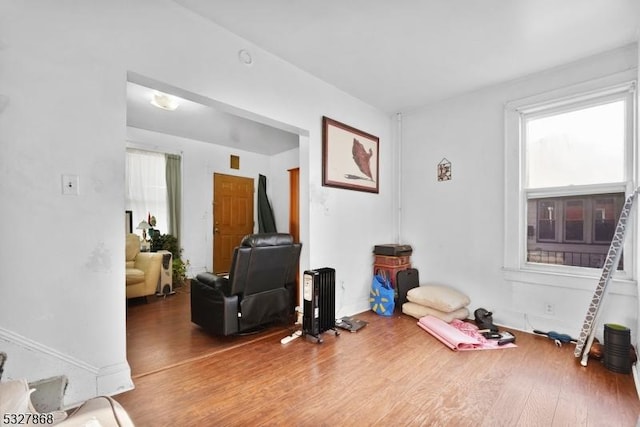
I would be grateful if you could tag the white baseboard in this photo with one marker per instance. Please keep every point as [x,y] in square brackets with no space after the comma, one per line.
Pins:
[114,379]
[33,361]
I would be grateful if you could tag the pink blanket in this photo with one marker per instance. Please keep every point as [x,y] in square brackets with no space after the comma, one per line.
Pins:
[459,335]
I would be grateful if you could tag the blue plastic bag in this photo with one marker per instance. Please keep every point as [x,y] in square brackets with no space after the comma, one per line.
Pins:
[382,295]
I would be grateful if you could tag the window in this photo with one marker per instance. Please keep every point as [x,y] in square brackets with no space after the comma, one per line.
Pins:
[583,235]
[546,221]
[574,221]
[582,146]
[572,159]
[605,211]
[146,188]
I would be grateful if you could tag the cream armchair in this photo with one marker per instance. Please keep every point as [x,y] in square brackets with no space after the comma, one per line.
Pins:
[143,269]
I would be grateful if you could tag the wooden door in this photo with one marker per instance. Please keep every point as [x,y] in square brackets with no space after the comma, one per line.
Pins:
[232,217]
[294,217]
[294,204]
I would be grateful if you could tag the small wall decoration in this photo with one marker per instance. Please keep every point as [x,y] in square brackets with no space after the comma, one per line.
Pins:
[234,161]
[349,157]
[444,170]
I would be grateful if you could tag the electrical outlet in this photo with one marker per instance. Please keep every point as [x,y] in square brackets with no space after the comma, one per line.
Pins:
[549,308]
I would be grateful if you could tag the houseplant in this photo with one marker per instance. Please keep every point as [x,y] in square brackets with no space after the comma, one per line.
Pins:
[169,243]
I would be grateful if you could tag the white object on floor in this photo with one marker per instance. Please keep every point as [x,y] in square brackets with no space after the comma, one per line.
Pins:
[291,337]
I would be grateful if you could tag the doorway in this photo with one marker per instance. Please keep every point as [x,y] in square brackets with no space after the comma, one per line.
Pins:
[206,120]
[232,217]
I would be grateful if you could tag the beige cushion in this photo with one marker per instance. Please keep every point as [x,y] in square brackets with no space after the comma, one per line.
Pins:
[134,276]
[15,398]
[442,298]
[101,411]
[132,246]
[419,311]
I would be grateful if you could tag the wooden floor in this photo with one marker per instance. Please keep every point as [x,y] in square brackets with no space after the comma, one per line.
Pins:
[389,373]
[160,335]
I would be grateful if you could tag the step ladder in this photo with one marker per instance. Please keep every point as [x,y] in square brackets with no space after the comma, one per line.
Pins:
[587,334]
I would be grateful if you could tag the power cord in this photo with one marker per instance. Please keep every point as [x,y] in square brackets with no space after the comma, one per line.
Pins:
[557,337]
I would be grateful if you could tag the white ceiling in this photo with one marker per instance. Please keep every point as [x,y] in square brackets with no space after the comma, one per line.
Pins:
[401,54]
[201,122]
[394,55]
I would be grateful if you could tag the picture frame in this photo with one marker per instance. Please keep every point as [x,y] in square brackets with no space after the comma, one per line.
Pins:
[128,222]
[444,170]
[350,157]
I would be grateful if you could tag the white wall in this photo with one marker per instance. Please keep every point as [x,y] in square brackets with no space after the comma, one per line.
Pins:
[456,227]
[63,70]
[637,324]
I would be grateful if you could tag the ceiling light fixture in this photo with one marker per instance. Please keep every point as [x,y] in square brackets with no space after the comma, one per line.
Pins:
[164,101]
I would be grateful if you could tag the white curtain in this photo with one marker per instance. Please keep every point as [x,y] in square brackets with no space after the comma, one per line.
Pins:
[146,188]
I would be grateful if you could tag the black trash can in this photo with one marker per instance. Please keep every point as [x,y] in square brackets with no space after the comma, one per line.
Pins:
[617,348]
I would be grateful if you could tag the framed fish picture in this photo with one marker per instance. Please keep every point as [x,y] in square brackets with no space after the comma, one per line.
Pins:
[350,157]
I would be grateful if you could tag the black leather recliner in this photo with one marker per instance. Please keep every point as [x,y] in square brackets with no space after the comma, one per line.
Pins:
[258,290]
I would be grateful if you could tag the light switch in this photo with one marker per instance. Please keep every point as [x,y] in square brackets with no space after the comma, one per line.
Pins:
[70,184]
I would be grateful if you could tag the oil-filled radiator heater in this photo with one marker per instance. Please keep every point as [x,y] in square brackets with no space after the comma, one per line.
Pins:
[319,308]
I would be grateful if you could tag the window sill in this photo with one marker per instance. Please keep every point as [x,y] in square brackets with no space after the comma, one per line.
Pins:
[569,280]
